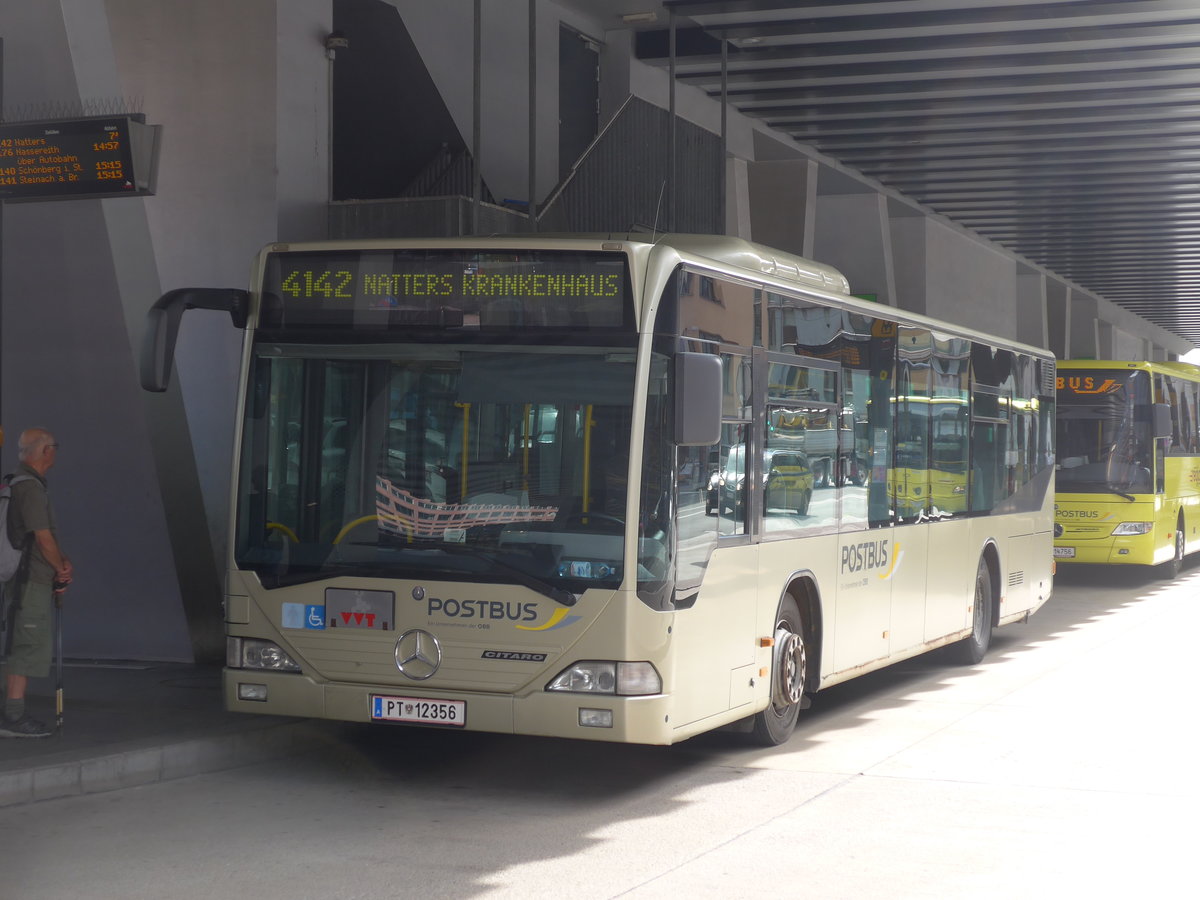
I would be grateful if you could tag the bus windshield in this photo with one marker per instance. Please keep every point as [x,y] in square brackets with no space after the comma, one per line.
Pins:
[1105,440]
[473,462]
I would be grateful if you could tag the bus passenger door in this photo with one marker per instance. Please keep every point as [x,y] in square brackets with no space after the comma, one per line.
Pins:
[912,485]
[866,551]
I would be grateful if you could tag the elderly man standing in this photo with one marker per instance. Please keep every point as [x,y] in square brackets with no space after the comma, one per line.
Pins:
[44,570]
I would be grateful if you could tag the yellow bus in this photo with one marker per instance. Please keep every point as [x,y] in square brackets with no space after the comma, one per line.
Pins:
[475,484]
[1128,473]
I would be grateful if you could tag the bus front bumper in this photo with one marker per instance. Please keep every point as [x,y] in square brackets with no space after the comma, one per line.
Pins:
[1132,550]
[643,720]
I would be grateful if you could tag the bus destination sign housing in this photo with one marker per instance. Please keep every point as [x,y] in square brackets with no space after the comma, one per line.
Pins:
[111,156]
[447,288]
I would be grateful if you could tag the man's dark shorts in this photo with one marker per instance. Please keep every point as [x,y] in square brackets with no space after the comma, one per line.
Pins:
[31,636]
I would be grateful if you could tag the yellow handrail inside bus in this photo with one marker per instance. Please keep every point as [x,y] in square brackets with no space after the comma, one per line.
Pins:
[351,525]
[354,523]
[462,469]
[588,422]
[279,526]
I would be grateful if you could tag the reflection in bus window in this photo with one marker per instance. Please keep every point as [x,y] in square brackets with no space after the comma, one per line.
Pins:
[800,451]
[910,474]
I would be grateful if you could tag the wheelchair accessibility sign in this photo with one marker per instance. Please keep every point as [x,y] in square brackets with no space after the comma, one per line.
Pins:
[303,615]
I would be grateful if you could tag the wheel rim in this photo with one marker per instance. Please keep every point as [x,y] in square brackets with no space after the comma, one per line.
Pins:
[1178,545]
[790,661]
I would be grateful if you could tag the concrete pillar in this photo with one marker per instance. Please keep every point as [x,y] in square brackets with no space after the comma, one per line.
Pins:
[1105,341]
[852,235]
[910,254]
[1058,318]
[78,277]
[1032,318]
[781,210]
[970,282]
[1083,339]
[737,198]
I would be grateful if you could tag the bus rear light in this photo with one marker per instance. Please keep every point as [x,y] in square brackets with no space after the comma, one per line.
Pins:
[252,653]
[602,676]
[1133,528]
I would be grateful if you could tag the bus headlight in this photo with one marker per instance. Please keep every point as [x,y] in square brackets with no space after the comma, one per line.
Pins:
[603,676]
[252,653]
[1133,528]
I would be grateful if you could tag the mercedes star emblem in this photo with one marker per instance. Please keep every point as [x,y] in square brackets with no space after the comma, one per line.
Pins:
[418,654]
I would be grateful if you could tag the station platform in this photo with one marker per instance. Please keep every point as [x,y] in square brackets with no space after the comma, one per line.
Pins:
[131,723]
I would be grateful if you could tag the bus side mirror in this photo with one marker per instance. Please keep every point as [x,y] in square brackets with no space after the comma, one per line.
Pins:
[162,327]
[698,395]
[1162,421]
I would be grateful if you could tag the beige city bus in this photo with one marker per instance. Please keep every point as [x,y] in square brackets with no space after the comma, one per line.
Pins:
[475,477]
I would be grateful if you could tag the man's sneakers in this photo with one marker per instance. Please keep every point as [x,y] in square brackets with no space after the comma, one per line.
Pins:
[24,727]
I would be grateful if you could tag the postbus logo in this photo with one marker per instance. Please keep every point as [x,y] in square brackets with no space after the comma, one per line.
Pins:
[1062,513]
[525,616]
[865,556]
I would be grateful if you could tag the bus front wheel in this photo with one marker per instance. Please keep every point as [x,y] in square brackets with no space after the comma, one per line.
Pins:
[972,649]
[1168,571]
[789,663]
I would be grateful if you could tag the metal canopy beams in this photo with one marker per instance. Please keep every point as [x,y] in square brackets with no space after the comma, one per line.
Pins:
[1065,131]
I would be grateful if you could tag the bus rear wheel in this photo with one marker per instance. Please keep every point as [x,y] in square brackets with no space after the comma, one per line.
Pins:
[789,664]
[972,649]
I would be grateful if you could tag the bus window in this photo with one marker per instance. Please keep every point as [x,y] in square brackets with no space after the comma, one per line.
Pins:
[882,355]
[910,473]
[727,485]
[950,425]
[991,404]
[800,448]
[1104,441]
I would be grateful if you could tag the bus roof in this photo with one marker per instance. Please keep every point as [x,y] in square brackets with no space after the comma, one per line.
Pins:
[733,251]
[1176,369]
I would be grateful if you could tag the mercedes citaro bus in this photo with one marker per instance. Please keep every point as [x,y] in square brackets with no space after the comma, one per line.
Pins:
[472,484]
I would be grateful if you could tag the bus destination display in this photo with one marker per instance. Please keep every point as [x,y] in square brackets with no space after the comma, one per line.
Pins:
[69,159]
[447,288]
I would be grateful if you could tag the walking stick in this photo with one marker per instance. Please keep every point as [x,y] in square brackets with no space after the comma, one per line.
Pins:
[58,687]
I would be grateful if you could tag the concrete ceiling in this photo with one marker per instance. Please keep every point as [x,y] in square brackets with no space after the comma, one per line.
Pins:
[1065,130]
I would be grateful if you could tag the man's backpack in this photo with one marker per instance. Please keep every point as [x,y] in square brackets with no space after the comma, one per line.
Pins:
[10,554]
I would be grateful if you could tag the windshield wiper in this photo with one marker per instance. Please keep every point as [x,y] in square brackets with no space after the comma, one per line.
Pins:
[545,588]
[1109,489]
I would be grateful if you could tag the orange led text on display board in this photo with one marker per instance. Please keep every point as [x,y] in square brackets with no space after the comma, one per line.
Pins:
[70,159]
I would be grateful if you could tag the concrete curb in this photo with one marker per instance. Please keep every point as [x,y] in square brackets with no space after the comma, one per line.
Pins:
[151,764]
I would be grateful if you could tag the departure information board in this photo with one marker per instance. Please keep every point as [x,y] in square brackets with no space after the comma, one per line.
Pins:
[100,157]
